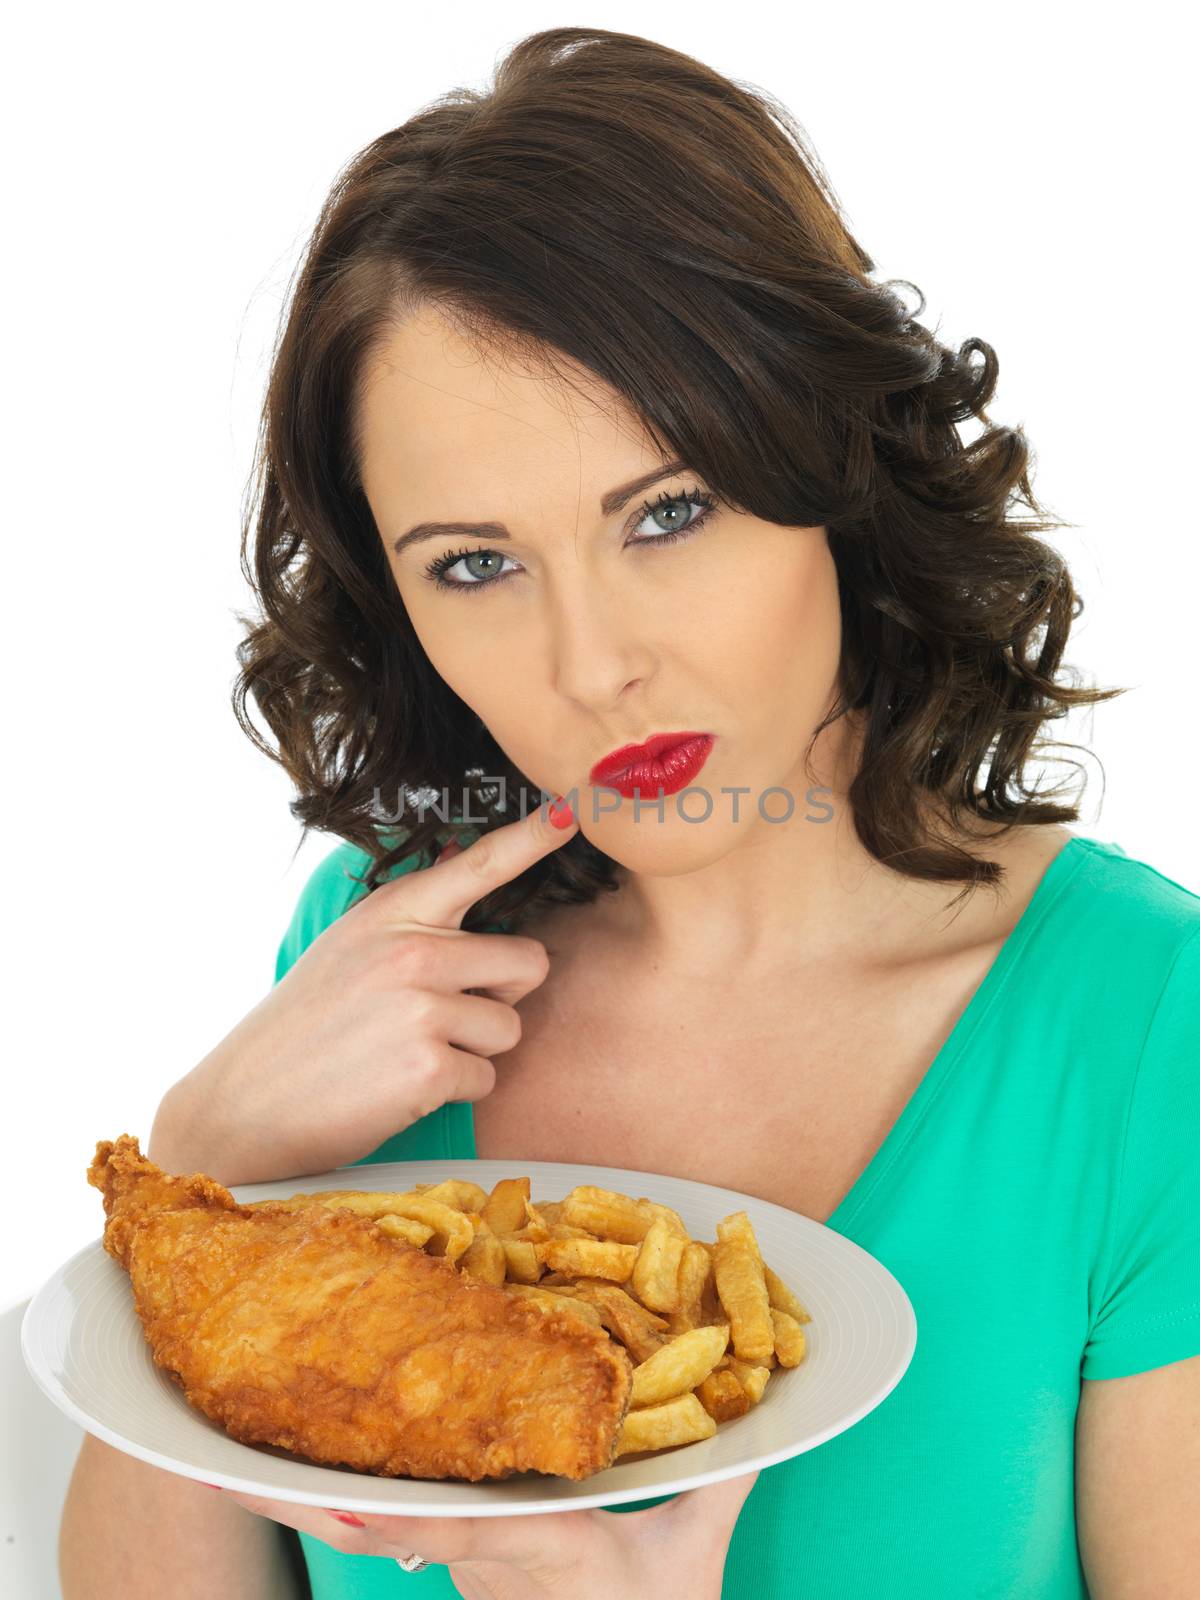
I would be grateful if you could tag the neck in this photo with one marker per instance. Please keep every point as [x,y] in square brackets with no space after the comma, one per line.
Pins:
[805,889]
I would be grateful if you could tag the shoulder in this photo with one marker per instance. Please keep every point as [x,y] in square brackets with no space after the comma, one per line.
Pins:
[1129,900]
[1113,944]
[1140,1035]
[335,878]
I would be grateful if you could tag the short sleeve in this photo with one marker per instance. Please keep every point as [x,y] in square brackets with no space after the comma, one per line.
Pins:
[1149,1314]
[331,889]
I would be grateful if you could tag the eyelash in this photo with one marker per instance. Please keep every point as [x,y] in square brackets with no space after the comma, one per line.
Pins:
[705,503]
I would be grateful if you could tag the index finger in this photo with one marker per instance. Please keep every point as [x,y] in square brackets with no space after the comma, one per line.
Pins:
[441,896]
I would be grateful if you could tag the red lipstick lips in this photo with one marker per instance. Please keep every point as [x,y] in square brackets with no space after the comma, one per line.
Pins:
[666,761]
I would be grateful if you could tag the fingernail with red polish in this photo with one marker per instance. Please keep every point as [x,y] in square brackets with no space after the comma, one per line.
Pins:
[561,814]
[347,1517]
[215,1486]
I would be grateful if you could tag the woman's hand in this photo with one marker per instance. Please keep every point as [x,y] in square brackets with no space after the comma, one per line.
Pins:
[673,1551]
[371,1029]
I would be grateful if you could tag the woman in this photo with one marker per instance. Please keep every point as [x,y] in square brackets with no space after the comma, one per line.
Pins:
[860,968]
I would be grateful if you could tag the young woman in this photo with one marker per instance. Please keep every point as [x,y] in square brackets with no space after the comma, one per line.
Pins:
[589,428]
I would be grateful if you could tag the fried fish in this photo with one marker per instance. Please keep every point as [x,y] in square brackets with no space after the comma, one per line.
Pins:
[313,1330]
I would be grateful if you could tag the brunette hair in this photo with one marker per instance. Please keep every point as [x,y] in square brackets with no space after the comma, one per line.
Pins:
[618,203]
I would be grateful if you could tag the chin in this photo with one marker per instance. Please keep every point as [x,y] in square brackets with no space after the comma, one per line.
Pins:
[665,849]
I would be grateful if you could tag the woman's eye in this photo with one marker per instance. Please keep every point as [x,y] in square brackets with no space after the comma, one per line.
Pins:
[678,505]
[479,576]
[482,569]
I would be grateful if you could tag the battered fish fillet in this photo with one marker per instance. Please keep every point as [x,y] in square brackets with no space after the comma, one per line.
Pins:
[312,1330]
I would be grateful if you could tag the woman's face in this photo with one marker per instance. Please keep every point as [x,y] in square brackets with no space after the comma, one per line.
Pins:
[563,623]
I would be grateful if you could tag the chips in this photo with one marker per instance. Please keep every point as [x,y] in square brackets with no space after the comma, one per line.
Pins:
[704,1324]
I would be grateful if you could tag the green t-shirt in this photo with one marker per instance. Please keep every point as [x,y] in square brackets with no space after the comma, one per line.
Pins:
[1038,1199]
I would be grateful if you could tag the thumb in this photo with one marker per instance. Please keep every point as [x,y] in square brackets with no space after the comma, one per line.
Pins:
[716,1506]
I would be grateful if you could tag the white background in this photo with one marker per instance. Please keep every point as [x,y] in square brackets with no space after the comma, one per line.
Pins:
[1027,167]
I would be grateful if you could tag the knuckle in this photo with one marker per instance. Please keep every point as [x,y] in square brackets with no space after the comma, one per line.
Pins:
[421,1007]
[414,957]
[480,857]
[425,1061]
[427,1091]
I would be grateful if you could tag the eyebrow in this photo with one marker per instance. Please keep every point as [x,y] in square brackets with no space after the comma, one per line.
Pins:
[609,503]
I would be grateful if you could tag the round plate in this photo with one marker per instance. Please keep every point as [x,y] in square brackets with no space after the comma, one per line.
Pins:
[84,1345]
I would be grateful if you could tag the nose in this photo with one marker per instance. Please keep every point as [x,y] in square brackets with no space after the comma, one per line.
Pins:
[600,644]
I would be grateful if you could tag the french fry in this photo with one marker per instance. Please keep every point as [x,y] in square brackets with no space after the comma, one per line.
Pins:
[723,1396]
[639,1330]
[406,1228]
[606,1214]
[409,1216]
[655,1274]
[743,1293]
[737,1225]
[484,1257]
[535,1227]
[453,1231]
[504,1208]
[752,1375]
[547,1300]
[755,1382]
[679,1365]
[460,1193]
[520,1259]
[711,1309]
[695,1272]
[597,1258]
[679,1421]
[782,1298]
[673,1220]
[790,1343]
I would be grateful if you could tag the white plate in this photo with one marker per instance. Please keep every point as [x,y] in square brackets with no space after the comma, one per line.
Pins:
[85,1347]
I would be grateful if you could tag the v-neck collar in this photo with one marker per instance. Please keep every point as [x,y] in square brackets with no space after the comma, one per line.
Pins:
[867,1186]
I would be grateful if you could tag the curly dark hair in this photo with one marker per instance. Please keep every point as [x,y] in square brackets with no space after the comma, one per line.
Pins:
[614,202]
